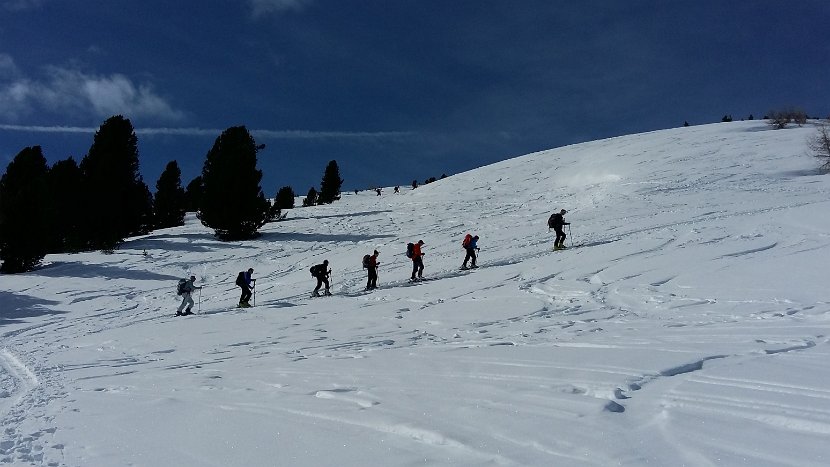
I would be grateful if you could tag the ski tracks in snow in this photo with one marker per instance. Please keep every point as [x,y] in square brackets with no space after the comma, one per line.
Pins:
[26,427]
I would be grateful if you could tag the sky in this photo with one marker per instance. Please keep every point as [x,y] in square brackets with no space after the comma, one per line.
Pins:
[686,324]
[394,90]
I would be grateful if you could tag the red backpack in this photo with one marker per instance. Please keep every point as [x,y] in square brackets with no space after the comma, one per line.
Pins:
[467,240]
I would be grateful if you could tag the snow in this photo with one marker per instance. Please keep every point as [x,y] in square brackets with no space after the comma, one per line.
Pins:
[688,327]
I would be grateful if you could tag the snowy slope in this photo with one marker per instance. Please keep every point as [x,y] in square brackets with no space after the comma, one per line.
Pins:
[689,326]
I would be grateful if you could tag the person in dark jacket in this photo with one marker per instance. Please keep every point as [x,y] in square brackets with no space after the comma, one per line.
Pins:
[244,281]
[471,248]
[321,272]
[372,267]
[187,300]
[556,222]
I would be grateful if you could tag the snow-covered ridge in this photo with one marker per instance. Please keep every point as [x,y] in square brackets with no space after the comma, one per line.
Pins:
[688,327]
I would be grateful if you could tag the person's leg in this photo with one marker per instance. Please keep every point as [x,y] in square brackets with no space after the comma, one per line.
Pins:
[420,267]
[319,284]
[473,258]
[414,268]
[242,295]
[326,281]
[467,258]
[373,278]
[185,296]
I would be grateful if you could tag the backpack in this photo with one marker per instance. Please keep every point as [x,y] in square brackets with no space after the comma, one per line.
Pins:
[240,278]
[410,250]
[317,270]
[467,240]
[366,261]
[550,220]
[180,287]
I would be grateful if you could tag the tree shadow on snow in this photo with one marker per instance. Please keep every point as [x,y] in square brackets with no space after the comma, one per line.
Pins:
[315,237]
[350,214]
[196,243]
[15,308]
[69,269]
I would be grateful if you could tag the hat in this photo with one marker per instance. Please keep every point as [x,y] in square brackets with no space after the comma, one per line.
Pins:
[563,212]
[193,278]
[325,261]
[420,242]
[376,252]
[250,269]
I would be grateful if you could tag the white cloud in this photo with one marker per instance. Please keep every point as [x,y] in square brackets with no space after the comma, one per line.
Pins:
[263,7]
[8,69]
[71,91]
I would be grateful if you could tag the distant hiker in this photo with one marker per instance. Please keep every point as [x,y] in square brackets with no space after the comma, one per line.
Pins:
[417,259]
[321,272]
[378,191]
[469,244]
[243,280]
[186,288]
[397,189]
[414,184]
[556,222]
[370,262]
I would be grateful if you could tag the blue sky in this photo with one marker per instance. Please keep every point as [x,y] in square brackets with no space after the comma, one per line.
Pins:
[394,90]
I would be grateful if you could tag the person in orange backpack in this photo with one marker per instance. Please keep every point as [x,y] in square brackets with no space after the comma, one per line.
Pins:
[417,261]
[469,244]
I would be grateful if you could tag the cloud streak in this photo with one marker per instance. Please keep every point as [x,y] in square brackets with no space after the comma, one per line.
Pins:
[265,7]
[261,134]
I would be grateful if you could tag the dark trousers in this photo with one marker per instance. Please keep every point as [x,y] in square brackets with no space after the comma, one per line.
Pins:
[560,237]
[372,283]
[246,293]
[320,281]
[471,255]
[417,267]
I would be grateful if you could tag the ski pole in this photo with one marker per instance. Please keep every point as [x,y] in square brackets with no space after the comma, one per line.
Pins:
[570,235]
[200,300]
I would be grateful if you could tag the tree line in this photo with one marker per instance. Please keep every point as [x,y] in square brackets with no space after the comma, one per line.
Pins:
[97,203]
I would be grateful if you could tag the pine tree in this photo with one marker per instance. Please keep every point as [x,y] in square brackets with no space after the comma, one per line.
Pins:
[117,200]
[193,194]
[311,198]
[24,210]
[330,185]
[233,204]
[285,198]
[66,199]
[169,202]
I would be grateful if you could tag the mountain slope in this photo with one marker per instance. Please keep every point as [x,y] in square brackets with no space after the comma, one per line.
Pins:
[688,326]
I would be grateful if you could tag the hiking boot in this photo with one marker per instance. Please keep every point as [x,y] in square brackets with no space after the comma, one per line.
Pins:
[463,267]
[473,267]
[326,293]
[315,294]
[187,310]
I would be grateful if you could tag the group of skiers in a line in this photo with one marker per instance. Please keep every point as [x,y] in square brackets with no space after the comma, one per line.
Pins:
[321,271]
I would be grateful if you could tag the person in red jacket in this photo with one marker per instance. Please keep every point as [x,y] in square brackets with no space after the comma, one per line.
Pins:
[372,267]
[417,261]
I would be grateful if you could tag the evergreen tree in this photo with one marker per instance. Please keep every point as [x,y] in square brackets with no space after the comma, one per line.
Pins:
[193,194]
[66,200]
[118,202]
[311,198]
[233,204]
[285,198]
[24,210]
[169,202]
[330,185]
